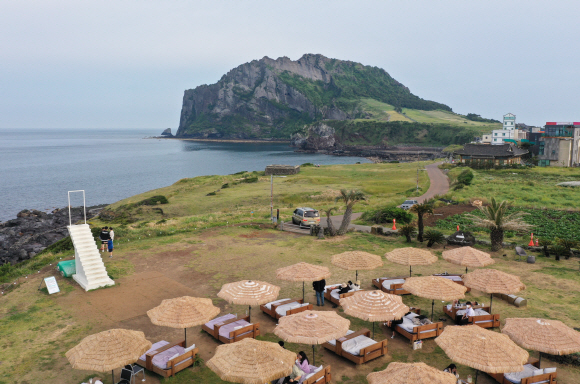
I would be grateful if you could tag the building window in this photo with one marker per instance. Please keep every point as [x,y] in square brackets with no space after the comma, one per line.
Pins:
[542,143]
[553,151]
[503,134]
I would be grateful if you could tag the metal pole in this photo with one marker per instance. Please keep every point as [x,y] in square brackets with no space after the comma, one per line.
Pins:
[490,303]
[185,329]
[313,357]
[432,309]
[540,361]
[417,175]
[356,278]
[476,373]
[373,329]
[271,197]
[465,269]
[303,291]
[410,271]
[112,376]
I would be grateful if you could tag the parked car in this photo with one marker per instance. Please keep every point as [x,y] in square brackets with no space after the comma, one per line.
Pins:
[408,204]
[304,216]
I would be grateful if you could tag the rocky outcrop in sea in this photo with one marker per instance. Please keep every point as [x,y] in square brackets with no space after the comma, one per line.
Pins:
[33,231]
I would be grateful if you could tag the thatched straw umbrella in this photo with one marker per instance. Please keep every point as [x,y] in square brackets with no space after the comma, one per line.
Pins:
[410,373]
[251,361]
[481,349]
[493,281]
[374,306]
[468,257]
[548,336]
[183,312]
[312,327]
[357,260]
[249,292]
[107,350]
[303,272]
[411,256]
[434,288]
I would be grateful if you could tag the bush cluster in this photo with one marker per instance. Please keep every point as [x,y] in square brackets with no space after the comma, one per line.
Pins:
[387,214]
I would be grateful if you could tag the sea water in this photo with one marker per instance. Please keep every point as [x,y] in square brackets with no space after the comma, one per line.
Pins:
[39,166]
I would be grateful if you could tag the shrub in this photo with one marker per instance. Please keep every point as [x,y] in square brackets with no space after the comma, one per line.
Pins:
[408,231]
[307,165]
[211,194]
[434,237]
[154,200]
[465,177]
[249,180]
[226,185]
[387,214]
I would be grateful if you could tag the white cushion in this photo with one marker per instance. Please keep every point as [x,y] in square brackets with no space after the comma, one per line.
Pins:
[174,356]
[269,305]
[550,370]
[387,283]
[239,327]
[189,348]
[538,372]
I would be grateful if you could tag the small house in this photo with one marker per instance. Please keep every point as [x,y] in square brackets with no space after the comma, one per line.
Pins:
[482,155]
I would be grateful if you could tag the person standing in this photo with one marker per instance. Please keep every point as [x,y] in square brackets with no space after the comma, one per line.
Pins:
[110,246]
[104,236]
[319,289]
[111,233]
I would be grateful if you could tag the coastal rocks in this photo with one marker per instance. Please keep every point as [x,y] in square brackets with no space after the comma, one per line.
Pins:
[32,231]
[319,137]
[167,133]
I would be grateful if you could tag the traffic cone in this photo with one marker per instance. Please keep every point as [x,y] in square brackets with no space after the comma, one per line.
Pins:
[537,242]
[458,228]
[531,244]
[394,227]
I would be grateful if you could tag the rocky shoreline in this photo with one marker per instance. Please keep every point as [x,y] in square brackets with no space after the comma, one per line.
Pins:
[33,231]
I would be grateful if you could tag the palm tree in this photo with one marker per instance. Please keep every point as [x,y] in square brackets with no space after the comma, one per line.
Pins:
[425,207]
[433,237]
[329,224]
[545,243]
[350,198]
[496,219]
[408,231]
[567,244]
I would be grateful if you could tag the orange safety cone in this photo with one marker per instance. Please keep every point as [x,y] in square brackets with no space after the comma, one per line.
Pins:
[394,227]
[458,228]
[537,242]
[531,244]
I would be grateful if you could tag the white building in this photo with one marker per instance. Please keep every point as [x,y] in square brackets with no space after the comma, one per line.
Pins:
[508,132]
[486,139]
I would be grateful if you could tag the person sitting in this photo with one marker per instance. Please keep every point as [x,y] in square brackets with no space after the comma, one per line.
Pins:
[469,312]
[344,288]
[452,368]
[393,324]
[302,362]
[295,376]
[354,286]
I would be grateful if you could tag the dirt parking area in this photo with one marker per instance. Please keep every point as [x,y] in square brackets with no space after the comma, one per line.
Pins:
[446,211]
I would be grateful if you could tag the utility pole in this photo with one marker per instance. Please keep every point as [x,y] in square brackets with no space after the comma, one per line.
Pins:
[271,197]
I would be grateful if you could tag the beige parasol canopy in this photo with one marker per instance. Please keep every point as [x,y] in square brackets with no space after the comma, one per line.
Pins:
[357,260]
[493,281]
[411,256]
[312,327]
[108,350]
[468,257]
[303,272]
[548,336]
[481,349]
[251,361]
[434,288]
[183,312]
[374,306]
[411,373]
[249,292]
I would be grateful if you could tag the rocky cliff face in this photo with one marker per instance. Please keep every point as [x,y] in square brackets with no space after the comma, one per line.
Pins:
[274,98]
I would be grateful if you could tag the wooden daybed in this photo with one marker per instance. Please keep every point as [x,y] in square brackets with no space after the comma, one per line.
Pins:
[229,329]
[271,308]
[154,359]
[365,354]
[457,278]
[483,320]
[418,332]
[328,294]
[321,377]
[532,364]
[395,288]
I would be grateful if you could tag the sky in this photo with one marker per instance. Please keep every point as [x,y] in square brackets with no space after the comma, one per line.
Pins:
[126,63]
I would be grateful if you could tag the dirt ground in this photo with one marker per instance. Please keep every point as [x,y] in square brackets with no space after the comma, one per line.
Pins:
[200,264]
[446,211]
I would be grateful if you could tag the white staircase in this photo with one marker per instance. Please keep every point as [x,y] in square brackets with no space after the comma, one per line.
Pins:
[91,271]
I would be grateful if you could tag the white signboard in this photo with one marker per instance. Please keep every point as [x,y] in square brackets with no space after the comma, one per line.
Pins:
[51,285]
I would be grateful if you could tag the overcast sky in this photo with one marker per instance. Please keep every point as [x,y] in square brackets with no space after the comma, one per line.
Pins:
[126,63]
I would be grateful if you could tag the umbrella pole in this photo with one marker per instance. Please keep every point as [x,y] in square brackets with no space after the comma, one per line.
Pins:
[476,373]
[490,302]
[250,313]
[313,357]
[185,329]
[540,361]
[112,376]
[356,278]
[302,291]
[410,271]
[465,269]
[432,309]
[373,329]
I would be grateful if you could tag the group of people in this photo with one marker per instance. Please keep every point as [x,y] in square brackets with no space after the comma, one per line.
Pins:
[107,236]
[300,368]
[320,285]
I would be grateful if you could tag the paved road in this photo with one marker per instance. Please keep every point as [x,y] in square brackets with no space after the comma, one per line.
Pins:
[439,185]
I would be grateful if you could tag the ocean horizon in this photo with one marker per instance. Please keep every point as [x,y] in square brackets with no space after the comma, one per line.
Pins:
[39,166]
